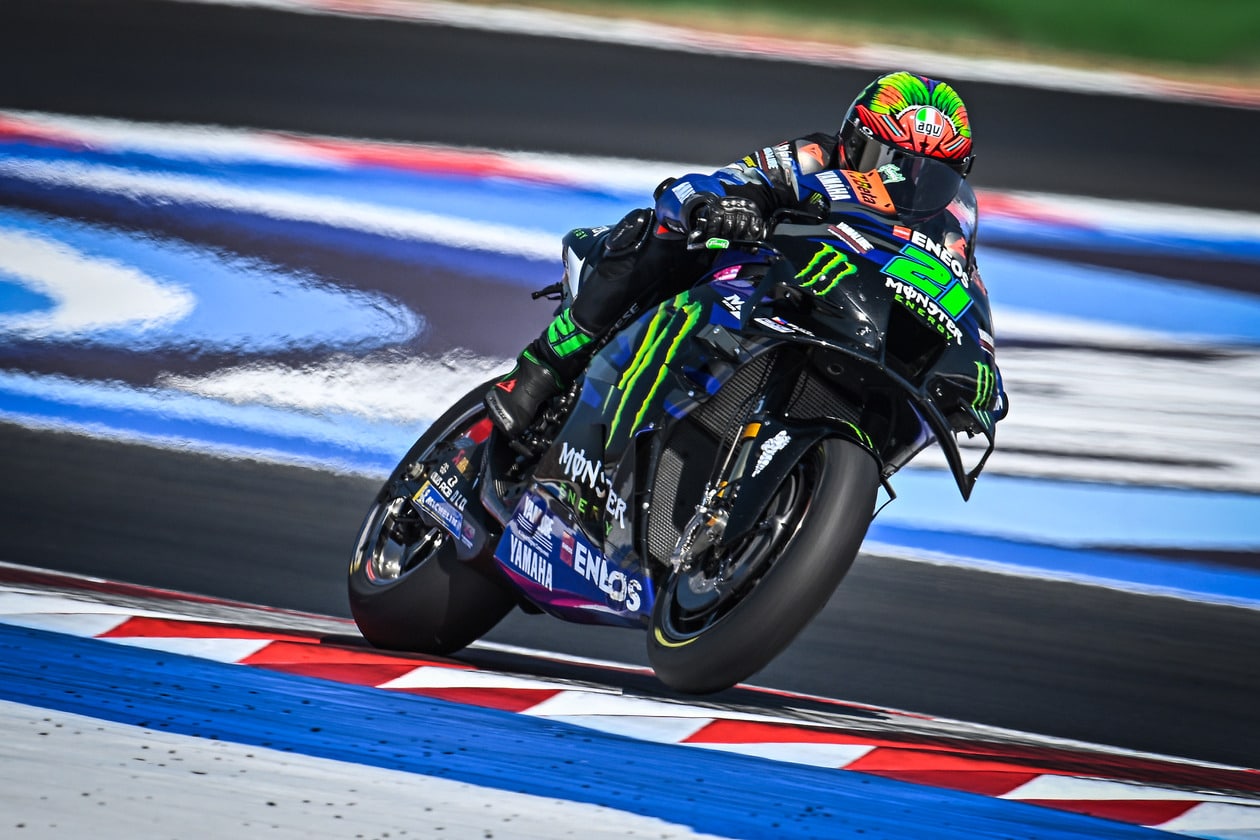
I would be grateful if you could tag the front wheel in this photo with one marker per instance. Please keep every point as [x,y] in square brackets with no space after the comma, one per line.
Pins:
[728,613]
[408,590]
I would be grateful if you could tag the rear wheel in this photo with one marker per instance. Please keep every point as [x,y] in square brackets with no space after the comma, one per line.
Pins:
[729,612]
[407,588]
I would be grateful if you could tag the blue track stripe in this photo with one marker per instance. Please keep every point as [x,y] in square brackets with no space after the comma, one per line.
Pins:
[511,270]
[1142,239]
[1198,581]
[489,197]
[1108,296]
[1077,514]
[730,795]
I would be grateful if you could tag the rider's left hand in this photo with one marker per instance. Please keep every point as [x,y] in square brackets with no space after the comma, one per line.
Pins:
[725,217]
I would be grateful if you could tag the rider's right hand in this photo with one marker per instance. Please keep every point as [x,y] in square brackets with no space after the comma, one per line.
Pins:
[725,217]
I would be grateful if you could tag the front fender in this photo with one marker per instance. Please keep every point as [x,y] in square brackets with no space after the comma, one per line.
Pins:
[773,453]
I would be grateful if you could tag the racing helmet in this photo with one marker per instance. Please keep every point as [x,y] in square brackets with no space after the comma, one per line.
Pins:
[916,133]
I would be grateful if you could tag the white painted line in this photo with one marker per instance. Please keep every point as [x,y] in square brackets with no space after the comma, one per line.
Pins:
[71,624]
[1218,821]
[889,551]
[815,755]
[568,704]
[409,391]
[1077,788]
[661,730]
[89,293]
[438,676]
[396,222]
[230,651]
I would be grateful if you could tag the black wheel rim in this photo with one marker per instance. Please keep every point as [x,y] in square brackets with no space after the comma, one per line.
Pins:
[702,594]
[396,539]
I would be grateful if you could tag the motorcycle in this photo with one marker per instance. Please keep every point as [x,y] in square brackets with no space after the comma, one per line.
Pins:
[711,477]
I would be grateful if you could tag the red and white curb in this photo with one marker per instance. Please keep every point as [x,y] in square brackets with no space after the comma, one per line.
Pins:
[1185,797]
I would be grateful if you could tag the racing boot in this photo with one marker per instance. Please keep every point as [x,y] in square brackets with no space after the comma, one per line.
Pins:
[610,286]
[545,368]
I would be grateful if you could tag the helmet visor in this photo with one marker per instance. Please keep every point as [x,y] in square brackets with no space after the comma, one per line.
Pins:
[918,185]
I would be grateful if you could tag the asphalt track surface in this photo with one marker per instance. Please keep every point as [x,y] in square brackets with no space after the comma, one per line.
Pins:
[157,60]
[1142,673]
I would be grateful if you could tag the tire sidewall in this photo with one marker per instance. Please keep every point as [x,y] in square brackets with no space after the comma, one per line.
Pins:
[793,591]
[444,603]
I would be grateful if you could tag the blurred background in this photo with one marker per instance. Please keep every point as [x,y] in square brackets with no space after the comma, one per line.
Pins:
[1218,39]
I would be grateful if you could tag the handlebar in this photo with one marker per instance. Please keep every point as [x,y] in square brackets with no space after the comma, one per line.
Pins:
[777,217]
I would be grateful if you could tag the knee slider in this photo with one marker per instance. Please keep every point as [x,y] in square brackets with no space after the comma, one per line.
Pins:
[628,235]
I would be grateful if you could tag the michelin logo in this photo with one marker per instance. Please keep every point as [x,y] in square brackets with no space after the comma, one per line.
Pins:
[451,519]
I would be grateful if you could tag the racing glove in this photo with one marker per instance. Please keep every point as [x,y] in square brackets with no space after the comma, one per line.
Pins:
[726,217]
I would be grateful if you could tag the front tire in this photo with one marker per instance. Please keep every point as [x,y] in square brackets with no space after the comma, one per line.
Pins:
[726,616]
[408,590]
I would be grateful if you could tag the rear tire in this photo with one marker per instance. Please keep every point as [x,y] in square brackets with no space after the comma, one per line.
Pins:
[408,590]
[726,616]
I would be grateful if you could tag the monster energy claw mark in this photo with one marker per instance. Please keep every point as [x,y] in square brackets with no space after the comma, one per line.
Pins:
[862,436]
[984,387]
[671,324]
[827,259]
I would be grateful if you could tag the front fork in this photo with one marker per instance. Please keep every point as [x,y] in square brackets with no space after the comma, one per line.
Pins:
[707,525]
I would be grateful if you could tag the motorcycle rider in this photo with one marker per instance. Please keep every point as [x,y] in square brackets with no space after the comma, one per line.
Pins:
[915,130]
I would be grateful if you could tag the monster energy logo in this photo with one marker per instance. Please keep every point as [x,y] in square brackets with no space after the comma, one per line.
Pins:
[985,382]
[671,324]
[826,260]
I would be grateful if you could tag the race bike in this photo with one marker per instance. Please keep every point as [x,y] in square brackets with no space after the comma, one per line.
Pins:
[711,477]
